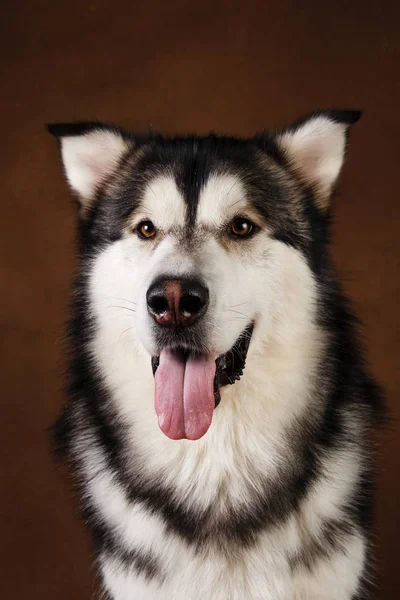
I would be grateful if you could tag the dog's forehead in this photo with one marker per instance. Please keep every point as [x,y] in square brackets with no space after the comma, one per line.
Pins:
[221,196]
[164,202]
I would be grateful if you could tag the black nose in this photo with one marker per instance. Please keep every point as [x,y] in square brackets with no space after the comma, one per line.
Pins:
[177,302]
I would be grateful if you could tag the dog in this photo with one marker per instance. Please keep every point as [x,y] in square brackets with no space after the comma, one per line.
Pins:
[220,413]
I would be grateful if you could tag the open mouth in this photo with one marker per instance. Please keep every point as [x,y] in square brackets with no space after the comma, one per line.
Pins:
[187,386]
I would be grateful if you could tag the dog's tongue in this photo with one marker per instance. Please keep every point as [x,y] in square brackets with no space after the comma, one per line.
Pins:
[184,395]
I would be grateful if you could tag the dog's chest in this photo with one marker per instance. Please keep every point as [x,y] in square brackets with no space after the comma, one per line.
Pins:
[162,566]
[191,575]
[168,550]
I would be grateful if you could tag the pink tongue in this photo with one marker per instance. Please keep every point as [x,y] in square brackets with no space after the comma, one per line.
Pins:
[184,395]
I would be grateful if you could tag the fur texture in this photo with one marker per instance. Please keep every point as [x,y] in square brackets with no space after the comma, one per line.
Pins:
[274,501]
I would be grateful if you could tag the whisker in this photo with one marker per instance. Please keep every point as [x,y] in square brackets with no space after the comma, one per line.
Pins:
[237,312]
[229,191]
[240,304]
[122,300]
[123,308]
[125,330]
[246,336]
[235,319]
[236,352]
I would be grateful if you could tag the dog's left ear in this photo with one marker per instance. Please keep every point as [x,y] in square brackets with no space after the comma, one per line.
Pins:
[315,149]
[90,152]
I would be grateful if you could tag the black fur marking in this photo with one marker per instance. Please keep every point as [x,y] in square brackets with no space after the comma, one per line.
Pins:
[191,177]
[332,538]
[363,595]
[141,562]
[73,129]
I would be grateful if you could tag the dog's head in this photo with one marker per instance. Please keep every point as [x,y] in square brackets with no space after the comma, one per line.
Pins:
[196,239]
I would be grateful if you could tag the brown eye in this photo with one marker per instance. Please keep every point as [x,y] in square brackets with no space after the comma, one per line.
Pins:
[146,230]
[242,228]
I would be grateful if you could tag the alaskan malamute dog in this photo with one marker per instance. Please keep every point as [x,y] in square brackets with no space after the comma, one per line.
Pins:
[220,412]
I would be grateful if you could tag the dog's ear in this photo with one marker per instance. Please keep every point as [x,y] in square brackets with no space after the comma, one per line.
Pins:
[315,149]
[90,153]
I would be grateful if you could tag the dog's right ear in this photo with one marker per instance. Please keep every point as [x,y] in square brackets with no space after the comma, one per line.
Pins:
[90,152]
[315,149]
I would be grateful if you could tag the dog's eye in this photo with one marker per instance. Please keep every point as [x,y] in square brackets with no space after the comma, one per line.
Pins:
[242,228]
[146,230]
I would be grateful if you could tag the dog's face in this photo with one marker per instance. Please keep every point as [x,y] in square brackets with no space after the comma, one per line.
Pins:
[192,243]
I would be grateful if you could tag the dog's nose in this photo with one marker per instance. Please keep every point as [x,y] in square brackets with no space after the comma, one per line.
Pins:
[177,302]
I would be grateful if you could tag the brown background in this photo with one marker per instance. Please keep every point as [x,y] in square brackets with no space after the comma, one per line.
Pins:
[234,67]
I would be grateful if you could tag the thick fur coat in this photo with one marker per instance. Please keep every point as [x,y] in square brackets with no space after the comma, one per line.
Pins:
[269,496]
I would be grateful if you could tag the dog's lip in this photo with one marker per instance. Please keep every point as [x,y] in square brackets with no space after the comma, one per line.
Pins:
[229,366]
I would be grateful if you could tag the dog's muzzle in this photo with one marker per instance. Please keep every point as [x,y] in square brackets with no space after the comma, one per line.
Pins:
[188,378]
